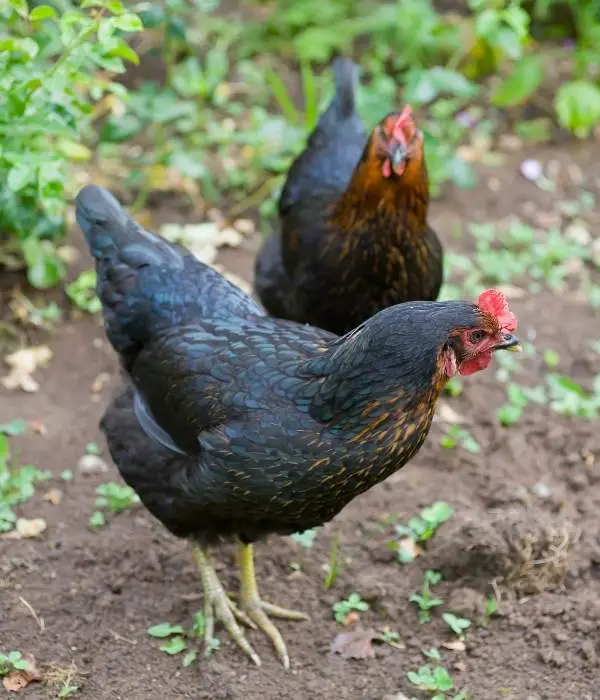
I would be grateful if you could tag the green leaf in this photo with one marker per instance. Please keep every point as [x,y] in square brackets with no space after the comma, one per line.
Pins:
[20,176]
[124,51]
[44,268]
[96,520]
[73,150]
[189,658]
[165,629]
[578,107]
[42,12]
[174,646]
[521,84]
[15,427]
[128,22]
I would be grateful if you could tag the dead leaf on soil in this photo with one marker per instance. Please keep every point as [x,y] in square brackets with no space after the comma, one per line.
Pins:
[454,645]
[23,364]
[356,644]
[30,527]
[19,679]
[409,547]
[38,427]
[100,382]
[92,464]
[202,240]
[351,618]
[53,496]
[446,414]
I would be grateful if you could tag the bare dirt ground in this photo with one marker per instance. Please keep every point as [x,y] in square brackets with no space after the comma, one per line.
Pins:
[95,593]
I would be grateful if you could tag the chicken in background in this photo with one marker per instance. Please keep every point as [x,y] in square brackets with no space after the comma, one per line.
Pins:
[354,234]
[234,424]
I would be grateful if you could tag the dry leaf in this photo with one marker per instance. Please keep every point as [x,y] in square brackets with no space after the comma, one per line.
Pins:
[23,364]
[202,240]
[30,527]
[446,414]
[356,644]
[351,618]
[54,496]
[38,427]
[92,464]
[408,546]
[100,382]
[454,645]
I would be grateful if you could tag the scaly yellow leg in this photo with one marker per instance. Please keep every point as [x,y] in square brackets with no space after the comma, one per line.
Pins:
[256,609]
[217,606]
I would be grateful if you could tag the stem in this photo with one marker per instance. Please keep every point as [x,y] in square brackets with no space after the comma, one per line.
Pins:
[255,198]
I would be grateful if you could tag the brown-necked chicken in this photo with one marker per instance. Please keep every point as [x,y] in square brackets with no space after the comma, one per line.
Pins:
[234,424]
[354,234]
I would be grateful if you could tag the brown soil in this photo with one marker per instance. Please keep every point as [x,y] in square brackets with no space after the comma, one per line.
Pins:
[98,592]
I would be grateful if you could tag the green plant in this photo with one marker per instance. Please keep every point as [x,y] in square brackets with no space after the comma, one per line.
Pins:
[457,624]
[116,497]
[455,435]
[17,485]
[49,60]
[179,640]
[342,608]
[307,538]
[82,292]
[422,528]
[333,565]
[425,599]
[13,661]
[434,679]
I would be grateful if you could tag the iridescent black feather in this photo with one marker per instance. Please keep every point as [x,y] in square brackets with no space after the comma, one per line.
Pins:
[248,425]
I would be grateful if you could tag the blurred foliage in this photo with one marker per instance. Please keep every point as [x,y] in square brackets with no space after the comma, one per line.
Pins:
[53,63]
[226,95]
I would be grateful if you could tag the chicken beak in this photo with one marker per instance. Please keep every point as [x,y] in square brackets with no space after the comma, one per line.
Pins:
[509,342]
[398,154]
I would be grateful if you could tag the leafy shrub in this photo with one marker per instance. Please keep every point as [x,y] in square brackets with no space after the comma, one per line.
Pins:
[49,61]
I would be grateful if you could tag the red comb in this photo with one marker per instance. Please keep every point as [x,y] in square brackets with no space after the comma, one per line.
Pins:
[405,119]
[494,302]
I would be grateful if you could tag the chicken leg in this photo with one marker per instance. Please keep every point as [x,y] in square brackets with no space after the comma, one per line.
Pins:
[258,610]
[217,606]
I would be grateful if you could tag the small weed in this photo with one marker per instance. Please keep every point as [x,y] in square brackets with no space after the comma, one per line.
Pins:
[96,520]
[454,387]
[13,661]
[569,398]
[491,609]
[342,608]
[82,292]
[457,624]
[333,565]
[433,653]
[425,598]
[92,448]
[434,679]
[305,539]
[455,435]
[17,485]
[116,497]
[179,640]
[68,691]
[422,528]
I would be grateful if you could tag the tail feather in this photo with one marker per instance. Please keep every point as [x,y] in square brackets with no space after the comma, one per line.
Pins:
[113,236]
[343,104]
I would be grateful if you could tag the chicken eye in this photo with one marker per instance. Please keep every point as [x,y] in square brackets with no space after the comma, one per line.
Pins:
[477,336]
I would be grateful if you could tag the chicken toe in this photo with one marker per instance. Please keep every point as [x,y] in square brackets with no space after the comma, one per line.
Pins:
[218,607]
[258,610]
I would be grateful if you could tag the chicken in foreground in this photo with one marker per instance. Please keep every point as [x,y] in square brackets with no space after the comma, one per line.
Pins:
[354,234]
[237,425]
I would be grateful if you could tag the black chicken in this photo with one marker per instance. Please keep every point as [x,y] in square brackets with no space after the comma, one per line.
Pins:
[235,424]
[354,234]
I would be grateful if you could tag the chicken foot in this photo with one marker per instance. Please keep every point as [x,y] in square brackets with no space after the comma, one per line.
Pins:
[217,606]
[258,610]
